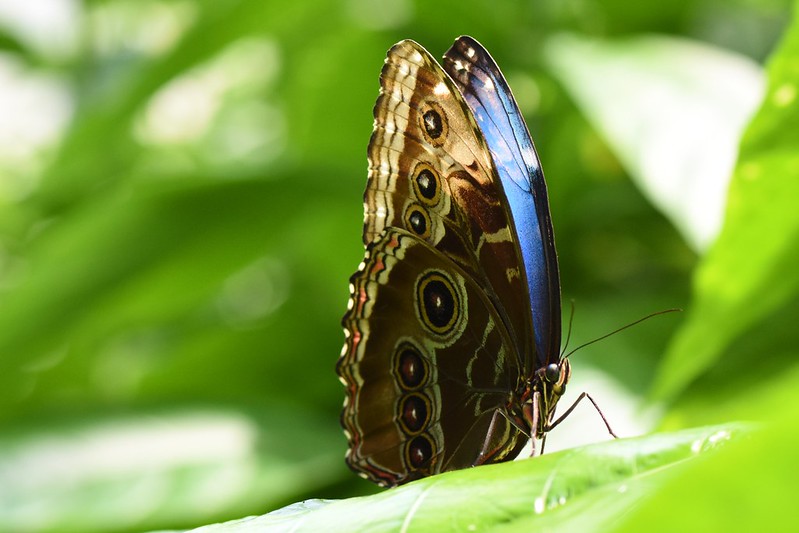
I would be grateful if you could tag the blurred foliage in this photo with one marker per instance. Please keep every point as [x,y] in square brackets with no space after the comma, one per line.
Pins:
[174,253]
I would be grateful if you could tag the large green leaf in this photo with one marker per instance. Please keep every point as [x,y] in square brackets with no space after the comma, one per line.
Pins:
[583,489]
[748,486]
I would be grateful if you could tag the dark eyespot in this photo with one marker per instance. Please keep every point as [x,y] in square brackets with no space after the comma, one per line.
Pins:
[410,367]
[417,222]
[427,184]
[437,302]
[419,451]
[552,373]
[433,124]
[414,413]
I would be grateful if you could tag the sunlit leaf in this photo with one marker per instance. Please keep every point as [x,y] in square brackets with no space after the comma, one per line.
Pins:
[746,486]
[751,269]
[673,111]
[138,471]
[584,489]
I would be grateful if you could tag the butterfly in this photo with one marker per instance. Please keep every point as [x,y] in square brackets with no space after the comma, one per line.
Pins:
[453,327]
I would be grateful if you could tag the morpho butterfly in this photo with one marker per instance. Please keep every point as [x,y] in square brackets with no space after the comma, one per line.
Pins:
[453,328]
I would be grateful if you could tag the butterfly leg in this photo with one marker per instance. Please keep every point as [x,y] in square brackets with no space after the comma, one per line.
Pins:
[485,451]
[531,412]
[571,408]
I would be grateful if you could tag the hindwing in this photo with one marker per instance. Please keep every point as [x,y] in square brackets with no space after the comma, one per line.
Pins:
[428,366]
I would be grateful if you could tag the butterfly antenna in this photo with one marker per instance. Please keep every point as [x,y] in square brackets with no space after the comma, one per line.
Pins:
[569,331]
[631,324]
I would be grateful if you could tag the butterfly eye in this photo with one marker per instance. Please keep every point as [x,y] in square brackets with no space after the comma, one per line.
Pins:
[552,373]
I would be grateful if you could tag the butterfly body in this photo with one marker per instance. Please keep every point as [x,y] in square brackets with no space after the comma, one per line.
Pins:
[453,328]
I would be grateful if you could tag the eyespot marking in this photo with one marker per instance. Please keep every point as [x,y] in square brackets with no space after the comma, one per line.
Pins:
[437,302]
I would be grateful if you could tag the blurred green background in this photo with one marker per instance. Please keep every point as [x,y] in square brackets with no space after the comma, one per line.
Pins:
[180,211]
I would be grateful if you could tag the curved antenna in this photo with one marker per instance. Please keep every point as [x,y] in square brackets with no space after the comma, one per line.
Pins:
[569,333]
[631,324]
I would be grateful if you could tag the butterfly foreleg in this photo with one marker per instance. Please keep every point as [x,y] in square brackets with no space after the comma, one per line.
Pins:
[531,411]
[574,405]
[485,451]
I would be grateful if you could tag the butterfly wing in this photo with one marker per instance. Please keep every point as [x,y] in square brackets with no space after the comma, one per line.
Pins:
[428,366]
[436,201]
[432,174]
[490,99]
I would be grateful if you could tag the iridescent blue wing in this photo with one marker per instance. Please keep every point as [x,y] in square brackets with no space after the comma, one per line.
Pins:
[487,94]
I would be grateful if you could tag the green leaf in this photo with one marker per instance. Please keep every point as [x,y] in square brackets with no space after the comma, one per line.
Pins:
[108,107]
[748,486]
[672,110]
[119,257]
[750,272]
[583,489]
[145,469]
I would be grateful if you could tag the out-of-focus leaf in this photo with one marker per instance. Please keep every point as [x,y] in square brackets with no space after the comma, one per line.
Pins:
[107,109]
[9,43]
[673,111]
[117,259]
[159,467]
[751,269]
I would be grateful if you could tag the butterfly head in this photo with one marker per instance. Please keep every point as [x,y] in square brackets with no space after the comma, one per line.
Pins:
[555,376]
[550,384]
